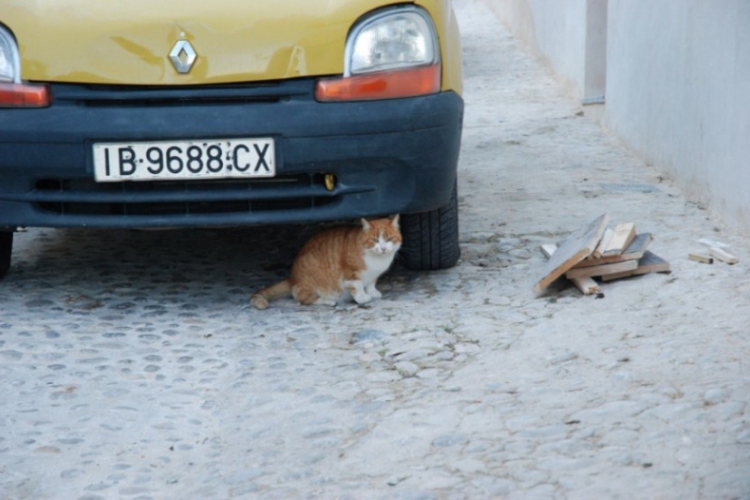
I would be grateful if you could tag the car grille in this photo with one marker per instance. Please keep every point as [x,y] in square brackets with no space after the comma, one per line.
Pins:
[149,95]
[86,197]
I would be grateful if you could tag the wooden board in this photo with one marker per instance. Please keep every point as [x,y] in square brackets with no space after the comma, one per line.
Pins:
[599,250]
[586,285]
[623,235]
[571,251]
[650,263]
[617,267]
[635,251]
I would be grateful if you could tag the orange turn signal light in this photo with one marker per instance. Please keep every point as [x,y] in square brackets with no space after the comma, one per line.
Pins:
[384,85]
[20,95]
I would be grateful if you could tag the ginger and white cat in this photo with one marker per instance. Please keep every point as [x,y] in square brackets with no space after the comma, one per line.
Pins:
[338,264]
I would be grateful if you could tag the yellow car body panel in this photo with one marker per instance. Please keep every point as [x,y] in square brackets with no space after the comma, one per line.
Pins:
[128,43]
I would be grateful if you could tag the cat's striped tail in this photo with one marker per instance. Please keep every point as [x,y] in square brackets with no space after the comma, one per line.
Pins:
[260,299]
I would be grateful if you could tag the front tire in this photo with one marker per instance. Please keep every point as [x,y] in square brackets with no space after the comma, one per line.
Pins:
[6,246]
[431,238]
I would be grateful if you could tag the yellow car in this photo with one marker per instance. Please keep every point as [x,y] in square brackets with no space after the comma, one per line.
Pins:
[164,114]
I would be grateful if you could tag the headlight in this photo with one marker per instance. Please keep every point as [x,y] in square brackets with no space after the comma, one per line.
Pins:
[9,64]
[395,39]
[13,93]
[390,54]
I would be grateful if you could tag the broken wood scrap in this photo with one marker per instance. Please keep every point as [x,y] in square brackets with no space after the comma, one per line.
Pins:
[712,243]
[587,286]
[548,249]
[699,257]
[617,267]
[723,255]
[635,251]
[649,263]
[622,236]
[571,251]
[718,250]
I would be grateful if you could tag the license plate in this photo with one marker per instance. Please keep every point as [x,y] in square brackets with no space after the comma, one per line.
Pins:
[175,160]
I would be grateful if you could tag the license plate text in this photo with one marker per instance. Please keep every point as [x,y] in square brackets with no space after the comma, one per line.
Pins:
[173,160]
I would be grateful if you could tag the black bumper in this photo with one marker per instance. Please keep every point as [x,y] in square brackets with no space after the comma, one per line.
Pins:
[394,156]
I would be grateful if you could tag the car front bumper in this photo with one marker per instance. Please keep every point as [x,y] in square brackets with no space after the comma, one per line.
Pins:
[391,156]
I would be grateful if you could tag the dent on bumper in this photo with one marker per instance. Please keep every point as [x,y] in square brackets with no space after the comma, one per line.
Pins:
[388,157]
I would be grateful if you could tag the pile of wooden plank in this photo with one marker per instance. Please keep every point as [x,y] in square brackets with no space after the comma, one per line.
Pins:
[599,251]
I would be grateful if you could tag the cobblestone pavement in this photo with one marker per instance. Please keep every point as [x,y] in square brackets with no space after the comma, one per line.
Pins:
[131,366]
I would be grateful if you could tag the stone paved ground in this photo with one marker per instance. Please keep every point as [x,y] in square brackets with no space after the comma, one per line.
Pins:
[131,366]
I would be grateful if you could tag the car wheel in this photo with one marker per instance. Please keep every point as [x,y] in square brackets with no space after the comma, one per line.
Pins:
[6,245]
[431,238]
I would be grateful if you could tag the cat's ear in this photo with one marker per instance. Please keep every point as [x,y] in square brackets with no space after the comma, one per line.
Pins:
[394,221]
[365,225]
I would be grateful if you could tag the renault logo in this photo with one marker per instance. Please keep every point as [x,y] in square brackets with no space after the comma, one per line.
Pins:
[183,56]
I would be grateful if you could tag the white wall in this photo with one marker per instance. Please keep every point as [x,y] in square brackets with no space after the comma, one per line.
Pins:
[677,78]
[563,34]
[678,92]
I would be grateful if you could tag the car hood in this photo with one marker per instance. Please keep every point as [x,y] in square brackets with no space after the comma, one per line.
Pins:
[95,41]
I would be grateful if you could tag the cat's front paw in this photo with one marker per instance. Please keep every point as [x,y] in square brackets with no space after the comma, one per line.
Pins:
[375,293]
[362,298]
[324,302]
